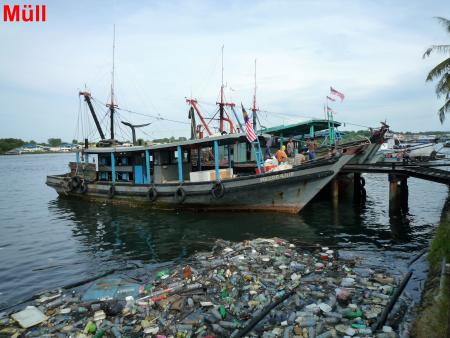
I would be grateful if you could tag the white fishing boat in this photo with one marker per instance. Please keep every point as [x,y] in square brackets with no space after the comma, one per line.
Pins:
[393,150]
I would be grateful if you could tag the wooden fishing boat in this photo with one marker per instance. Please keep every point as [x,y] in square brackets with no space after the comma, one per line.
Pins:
[171,176]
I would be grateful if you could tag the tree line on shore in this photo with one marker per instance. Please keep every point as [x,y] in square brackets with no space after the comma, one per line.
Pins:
[7,144]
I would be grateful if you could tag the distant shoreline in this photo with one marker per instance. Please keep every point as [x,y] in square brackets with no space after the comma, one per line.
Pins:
[40,153]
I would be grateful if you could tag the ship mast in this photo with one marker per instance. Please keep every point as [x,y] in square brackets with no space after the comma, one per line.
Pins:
[222,104]
[254,109]
[112,105]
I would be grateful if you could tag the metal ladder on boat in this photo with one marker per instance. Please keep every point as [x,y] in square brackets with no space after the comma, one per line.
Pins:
[256,146]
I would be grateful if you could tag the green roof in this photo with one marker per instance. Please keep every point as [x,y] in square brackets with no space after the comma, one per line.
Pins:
[204,142]
[296,129]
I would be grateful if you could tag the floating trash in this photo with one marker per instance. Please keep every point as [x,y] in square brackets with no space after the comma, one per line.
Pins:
[259,288]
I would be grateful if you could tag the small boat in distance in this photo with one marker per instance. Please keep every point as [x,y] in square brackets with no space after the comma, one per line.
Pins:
[395,149]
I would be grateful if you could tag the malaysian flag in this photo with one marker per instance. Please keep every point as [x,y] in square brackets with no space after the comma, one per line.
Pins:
[334,92]
[249,132]
[330,98]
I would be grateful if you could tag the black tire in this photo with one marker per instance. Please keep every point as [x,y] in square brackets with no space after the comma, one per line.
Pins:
[218,190]
[152,194]
[111,192]
[83,187]
[363,182]
[180,195]
[68,186]
[76,181]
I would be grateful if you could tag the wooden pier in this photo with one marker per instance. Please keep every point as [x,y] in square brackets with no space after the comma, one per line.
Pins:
[398,174]
[425,171]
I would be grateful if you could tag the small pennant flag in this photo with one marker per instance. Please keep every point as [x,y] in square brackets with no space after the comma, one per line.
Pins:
[330,98]
[334,92]
[249,132]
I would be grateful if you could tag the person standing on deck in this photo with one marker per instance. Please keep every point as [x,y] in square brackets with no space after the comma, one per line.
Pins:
[280,155]
[290,148]
[269,141]
[312,146]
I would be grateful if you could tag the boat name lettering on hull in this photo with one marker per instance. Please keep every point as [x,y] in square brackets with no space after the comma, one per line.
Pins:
[276,177]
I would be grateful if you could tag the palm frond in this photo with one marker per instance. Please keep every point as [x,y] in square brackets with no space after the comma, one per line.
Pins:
[444,110]
[440,69]
[444,22]
[442,49]
[443,86]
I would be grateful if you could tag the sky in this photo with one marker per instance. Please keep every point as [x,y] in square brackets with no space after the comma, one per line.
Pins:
[169,50]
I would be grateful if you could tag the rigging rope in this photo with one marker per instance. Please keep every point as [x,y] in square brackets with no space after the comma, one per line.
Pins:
[159,117]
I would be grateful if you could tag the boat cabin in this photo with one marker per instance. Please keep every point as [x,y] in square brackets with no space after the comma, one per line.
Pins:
[207,159]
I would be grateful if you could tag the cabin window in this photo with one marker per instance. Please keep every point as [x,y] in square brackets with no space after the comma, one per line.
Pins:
[123,160]
[174,156]
[162,158]
[104,160]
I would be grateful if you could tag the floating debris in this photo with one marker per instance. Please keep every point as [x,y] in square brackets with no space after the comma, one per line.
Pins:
[259,288]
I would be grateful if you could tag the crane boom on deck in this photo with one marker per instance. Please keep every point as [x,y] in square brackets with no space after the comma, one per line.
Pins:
[87,98]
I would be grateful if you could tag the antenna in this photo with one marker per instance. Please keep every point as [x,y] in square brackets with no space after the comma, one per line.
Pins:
[113,61]
[254,109]
[221,108]
[222,64]
[112,105]
[222,104]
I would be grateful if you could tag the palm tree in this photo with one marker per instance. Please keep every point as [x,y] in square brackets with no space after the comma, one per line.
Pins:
[441,72]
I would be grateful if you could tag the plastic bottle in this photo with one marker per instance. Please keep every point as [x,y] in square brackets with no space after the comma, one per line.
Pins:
[187,272]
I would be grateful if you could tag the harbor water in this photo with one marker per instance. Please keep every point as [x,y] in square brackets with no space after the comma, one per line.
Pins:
[47,242]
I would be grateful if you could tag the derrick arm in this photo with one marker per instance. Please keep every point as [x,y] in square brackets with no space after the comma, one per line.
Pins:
[87,98]
[133,128]
[193,103]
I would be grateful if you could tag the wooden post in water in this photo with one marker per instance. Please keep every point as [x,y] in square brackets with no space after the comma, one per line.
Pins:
[393,187]
[404,192]
[335,191]
[357,187]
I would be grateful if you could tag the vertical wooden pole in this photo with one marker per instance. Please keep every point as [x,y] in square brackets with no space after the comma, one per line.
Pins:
[180,164]
[404,192]
[147,167]
[335,191]
[357,187]
[216,160]
[199,164]
[113,168]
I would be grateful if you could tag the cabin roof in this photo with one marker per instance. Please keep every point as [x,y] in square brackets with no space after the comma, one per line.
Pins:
[204,142]
[300,128]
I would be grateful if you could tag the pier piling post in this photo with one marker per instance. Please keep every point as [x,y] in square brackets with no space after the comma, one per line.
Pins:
[335,191]
[357,187]
[393,187]
[404,192]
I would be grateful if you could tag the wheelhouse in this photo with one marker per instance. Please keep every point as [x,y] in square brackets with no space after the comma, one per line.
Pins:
[209,159]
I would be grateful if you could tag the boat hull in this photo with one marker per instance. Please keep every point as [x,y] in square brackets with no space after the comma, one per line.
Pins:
[283,191]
